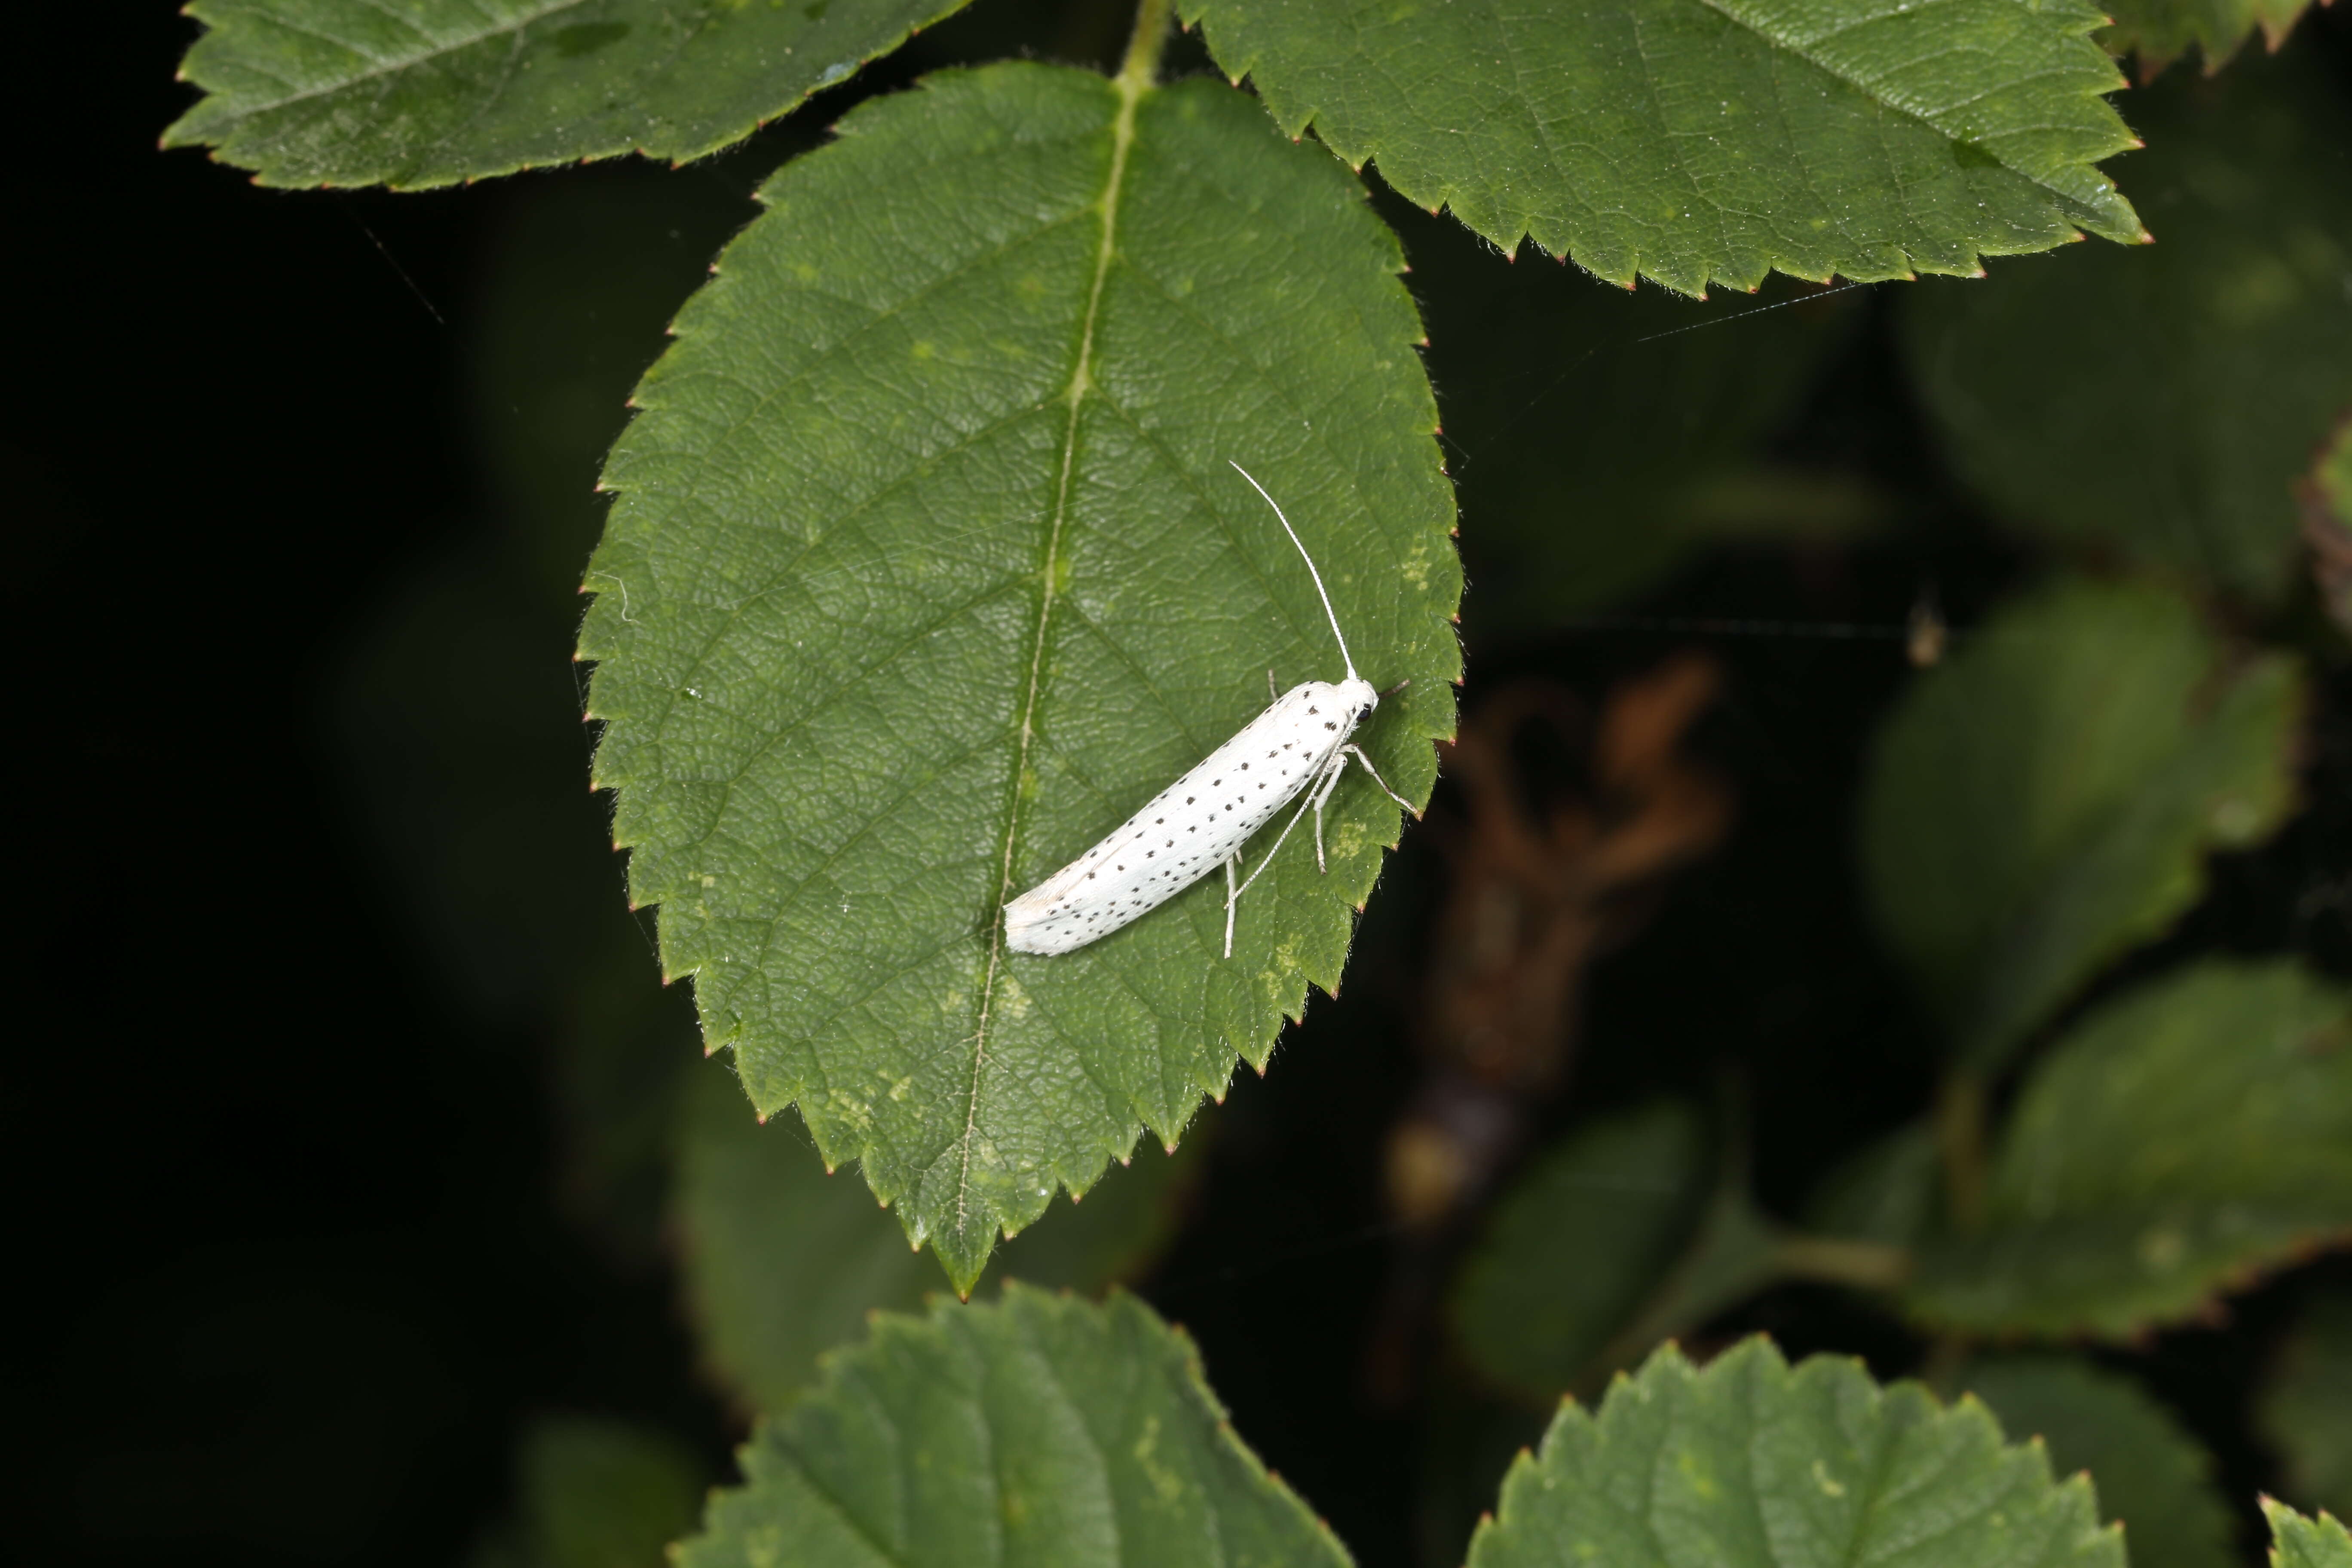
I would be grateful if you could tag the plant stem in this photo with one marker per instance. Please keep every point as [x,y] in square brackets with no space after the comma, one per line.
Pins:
[1141,67]
[1959,1140]
[1865,1265]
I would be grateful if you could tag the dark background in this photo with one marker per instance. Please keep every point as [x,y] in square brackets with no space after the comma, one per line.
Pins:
[316,899]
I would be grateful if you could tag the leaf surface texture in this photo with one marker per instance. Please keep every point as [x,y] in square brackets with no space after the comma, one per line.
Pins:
[1709,141]
[2300,1541]
[431,92]
[927,568]
[1752,1463]
[1038,1430]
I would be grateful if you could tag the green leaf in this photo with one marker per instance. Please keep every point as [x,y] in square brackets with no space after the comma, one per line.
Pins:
[928,565]
[2195,378]
[2160,31]
[2044,800]
[782,1261]
[1710,140]
[583,276]
[1624,1233]
[354,92]
[1887,1191]
[2305,1411]
[1602,438]
[1035,1431]
[1577,1244]
[2151,1474]
[594,1492]
[2301,1543]
[2326,498]
[2185,1137]
[1751,1463]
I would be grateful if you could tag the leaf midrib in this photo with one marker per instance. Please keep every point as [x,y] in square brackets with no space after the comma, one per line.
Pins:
[1131,86]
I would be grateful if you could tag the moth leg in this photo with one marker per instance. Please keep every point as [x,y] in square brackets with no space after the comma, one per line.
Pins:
[1232,894]
[1321,794]
[1358,752]
[1304,803]
[1272,695]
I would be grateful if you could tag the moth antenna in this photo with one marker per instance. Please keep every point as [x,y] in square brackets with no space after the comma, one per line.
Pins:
[1345,657]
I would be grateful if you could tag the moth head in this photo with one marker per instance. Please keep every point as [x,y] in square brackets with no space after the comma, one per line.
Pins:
[1358,698]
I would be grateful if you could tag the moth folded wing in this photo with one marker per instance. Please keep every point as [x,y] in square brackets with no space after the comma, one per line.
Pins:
[1053,916]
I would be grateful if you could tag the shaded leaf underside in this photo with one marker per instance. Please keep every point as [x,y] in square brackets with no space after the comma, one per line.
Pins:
[430,92]
[1710,140]
[926,566]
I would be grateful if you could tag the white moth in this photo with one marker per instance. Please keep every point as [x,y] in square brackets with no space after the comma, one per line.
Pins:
[1298,744]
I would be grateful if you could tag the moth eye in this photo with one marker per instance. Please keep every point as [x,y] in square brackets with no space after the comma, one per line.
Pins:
[1365,714]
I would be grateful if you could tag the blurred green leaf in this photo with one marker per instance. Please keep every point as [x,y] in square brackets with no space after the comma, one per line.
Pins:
[1698,143]
[351,93]
[2160,403]
[2331,475]
[1621,1235]
[595,1493]
[782,1262]
[2326,498]
[581,280]
[1751,1463]
[2160,31]
[2185,1137]
[1886,1192]
[2304,1410]
[2151,1475]
[1469,1440]
[2301,1543]
[1577,1244]
[927,564]
[459,722]
[1035,1431]
[1598,438]
[2044,800]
